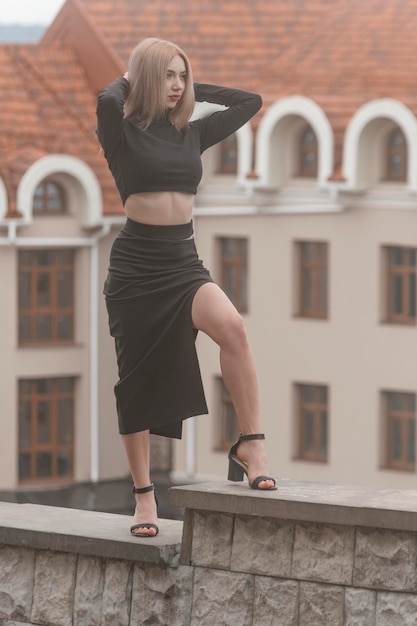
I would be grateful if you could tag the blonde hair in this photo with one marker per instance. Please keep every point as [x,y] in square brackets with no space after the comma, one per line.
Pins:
[147,67]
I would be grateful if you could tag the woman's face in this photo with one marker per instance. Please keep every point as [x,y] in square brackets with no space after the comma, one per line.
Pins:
[175,81]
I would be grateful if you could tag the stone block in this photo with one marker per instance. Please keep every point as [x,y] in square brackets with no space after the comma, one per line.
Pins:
[321,605]
[360,607]
[88,591]
[385,559]
[13,623]
[323,553]
[396,609]
[275,602]
[212,539]
[117,593]
[16,581]
[53,593]
[221,597]
[262,546]
[161,595]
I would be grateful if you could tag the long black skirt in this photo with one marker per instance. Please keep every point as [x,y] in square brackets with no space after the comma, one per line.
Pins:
[154,273]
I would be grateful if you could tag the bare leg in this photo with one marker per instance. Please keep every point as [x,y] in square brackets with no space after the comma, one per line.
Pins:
[137,448]
[214,314]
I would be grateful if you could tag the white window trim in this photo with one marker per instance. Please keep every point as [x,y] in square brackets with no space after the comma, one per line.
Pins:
[315,116]
[4,205]
[91,213]
[382,108]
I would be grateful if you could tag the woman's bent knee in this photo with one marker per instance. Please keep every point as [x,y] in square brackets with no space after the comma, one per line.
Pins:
[214,314]
[234,331]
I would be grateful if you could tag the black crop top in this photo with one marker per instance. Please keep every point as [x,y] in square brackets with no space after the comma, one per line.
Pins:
[161,158]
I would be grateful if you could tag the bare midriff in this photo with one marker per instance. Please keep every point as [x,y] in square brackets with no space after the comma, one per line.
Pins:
[160,208]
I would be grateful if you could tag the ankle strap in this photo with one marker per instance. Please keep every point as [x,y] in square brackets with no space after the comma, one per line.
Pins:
[143,489]
[251,437]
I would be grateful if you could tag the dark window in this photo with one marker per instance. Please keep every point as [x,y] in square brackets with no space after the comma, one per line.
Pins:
[46,429]
[227,424]
[307,150]
[228,156]
[312,279]
[401,285]
[49,197]
[234,270]
[46,296]
[313,424]
[400,421]
[396,157]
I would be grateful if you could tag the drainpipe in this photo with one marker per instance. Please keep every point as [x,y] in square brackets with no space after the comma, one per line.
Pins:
[94,332]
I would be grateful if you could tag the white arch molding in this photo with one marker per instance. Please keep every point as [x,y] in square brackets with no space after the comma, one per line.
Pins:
[244,139]
[310,111]
[91,211]
[3,200]
[369,112]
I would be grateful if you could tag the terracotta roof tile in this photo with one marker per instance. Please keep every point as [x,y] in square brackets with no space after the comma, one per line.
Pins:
[226,41]
[47,108]
[340,53]
[330,50]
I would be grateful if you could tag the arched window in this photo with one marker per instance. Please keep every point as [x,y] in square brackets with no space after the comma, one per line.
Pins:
[396,157]
[49,197]
[228,156]
[307,150]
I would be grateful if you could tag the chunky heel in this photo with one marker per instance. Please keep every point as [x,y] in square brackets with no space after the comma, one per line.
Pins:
[238,468]
[236,472]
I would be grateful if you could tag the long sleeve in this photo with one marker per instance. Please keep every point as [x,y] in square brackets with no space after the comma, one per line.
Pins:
[110,114]
[241,107]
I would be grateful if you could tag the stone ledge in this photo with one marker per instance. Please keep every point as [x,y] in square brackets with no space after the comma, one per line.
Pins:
[86,532]
[306,501]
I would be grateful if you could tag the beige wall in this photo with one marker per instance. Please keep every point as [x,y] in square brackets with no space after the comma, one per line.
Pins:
[75,360]
[8,442]
[353,352]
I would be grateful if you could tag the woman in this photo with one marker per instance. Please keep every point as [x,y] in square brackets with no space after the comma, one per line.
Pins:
[158,293]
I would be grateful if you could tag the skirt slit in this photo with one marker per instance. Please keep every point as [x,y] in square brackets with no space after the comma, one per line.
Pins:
[154,273]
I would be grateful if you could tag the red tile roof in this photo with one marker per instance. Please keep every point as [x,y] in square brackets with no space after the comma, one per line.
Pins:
[310,45]
[340,53]
[47,107]
[226,41]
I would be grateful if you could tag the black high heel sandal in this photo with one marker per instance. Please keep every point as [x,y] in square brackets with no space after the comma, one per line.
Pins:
[238,468]
[135,526]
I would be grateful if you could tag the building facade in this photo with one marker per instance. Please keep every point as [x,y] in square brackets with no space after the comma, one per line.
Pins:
[306,217]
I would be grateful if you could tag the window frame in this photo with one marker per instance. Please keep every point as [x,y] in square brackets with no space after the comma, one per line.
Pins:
[393,151]
[53,447]
[44,197]
[403,416]
[305,148]
[239,265]
[316,408]
[408,273]
[312,270]
[36,270]
[230,143]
